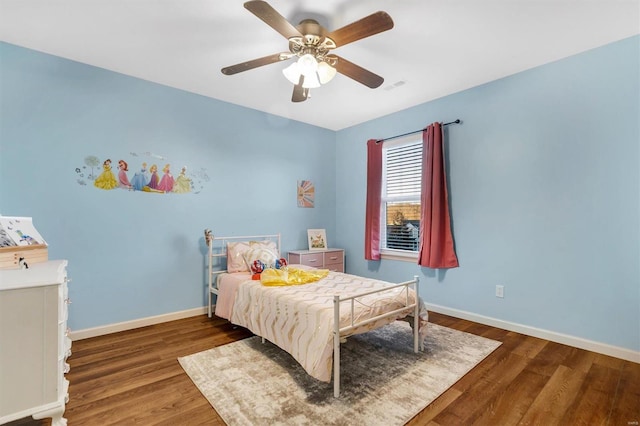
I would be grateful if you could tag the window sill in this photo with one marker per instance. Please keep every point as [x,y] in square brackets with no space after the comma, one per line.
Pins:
[404,256]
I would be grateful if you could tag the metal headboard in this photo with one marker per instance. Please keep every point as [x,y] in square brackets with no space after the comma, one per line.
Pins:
[217,255]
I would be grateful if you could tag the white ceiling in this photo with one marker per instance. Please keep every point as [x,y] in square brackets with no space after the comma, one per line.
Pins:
[437,47]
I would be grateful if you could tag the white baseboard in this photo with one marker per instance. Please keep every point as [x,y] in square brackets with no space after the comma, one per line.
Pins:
[130,325]
[578,342]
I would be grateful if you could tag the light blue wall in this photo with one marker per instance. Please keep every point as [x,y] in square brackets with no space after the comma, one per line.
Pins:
[133,255]
[544,191]
[544,178]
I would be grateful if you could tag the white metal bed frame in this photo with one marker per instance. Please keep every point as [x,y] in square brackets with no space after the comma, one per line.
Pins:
[339,333]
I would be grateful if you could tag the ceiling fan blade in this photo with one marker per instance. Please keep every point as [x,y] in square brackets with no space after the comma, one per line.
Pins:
[271,17]
[357,73]
[255,63]
[300,94]
[365,27]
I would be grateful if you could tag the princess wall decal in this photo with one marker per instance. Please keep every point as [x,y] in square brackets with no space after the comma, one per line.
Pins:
[146,180]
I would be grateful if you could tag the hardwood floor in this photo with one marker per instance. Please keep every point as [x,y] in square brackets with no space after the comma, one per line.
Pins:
[133,377]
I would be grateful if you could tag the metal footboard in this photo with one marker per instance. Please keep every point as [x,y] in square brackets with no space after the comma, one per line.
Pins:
[339,332]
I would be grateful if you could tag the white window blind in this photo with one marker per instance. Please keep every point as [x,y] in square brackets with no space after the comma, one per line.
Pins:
[402,174]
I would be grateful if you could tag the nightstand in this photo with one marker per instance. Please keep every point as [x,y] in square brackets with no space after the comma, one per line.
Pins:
[332,258]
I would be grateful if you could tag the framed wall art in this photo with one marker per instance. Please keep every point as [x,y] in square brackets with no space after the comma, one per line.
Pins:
[317,239]
[306,193]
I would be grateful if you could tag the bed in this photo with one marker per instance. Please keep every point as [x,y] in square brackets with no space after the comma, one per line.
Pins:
[308,321]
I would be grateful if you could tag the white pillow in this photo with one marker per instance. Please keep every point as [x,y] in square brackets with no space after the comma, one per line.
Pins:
[265,255]
[236,250]
[267,244]
[235,259]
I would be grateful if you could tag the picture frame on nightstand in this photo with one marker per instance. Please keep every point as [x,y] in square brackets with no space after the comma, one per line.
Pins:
[317,239]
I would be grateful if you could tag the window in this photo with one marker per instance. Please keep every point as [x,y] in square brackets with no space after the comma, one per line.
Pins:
[400,209]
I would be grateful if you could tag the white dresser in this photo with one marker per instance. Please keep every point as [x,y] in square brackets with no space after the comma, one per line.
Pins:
[34,345]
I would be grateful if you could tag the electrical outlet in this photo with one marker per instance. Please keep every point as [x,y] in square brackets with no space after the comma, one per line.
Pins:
[499,291]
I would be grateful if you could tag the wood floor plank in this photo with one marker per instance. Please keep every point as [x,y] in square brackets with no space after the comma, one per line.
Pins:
[444,320]
[494,380]
[529,346]
[509,406]
[495,334]
[595,398]
[626,407]
[579,360]
[608,361]
[99,391]
[549,358]
[555,398]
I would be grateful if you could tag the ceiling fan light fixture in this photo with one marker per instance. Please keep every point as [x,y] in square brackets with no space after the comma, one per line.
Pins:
[307,64]
[326,72]
[311,81]
[313,72]
[292,73]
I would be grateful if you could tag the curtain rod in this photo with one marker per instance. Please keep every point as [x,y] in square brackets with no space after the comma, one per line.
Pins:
[416,131]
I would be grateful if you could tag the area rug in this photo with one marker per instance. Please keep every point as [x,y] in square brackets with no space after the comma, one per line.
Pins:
[383,381]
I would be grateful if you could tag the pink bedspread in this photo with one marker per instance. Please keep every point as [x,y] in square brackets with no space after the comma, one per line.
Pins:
[299,319]
[227,288]
[228,285]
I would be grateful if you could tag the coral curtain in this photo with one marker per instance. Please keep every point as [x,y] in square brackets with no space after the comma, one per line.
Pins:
[374,198]
[436,241]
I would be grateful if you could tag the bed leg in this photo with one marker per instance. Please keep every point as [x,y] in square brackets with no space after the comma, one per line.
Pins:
[416,317]
[208,237]
[336,346]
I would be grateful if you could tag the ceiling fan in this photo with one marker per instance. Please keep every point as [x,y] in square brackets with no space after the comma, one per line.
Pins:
[312,44]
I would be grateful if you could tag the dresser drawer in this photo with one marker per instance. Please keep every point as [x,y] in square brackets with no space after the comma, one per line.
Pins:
[335,267]
[333,257]
[312,259]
